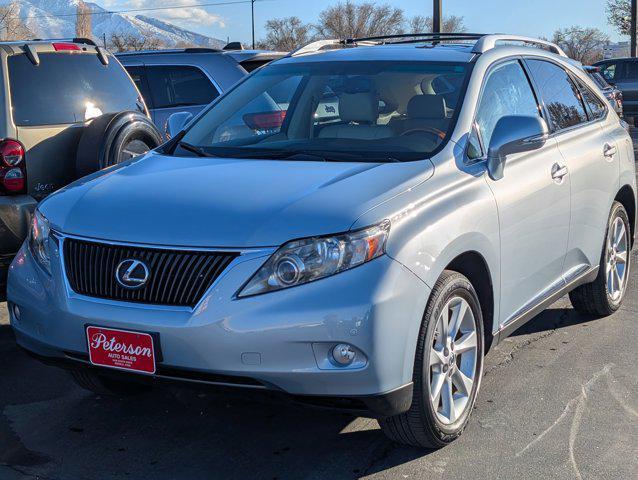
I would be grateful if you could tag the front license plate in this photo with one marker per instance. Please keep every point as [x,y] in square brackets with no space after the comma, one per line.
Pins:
[121,349]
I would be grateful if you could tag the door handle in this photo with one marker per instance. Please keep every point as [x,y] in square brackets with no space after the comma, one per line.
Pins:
[558,172]
[609,150]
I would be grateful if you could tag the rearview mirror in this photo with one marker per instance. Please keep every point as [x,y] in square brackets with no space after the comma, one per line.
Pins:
[176,123]
[513,134]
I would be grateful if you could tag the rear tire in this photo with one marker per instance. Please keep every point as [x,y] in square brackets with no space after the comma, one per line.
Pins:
[102,385]
[114,138]
[601,297]
[424,424]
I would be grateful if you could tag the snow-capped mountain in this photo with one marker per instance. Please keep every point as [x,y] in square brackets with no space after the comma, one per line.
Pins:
[55,19]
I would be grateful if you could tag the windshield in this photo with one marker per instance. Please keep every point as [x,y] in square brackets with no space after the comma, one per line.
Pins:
[334,111]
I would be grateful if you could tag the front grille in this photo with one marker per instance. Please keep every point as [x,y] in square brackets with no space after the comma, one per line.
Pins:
[176,277]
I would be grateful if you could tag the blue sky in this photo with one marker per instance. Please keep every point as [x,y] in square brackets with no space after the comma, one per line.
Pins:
[525,17]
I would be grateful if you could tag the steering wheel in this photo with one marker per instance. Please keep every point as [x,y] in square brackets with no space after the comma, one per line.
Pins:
[429,130]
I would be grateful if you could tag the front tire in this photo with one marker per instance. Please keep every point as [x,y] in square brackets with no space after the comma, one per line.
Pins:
[605,294]
[447,369]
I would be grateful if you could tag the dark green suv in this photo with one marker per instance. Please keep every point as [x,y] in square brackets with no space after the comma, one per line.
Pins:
[67,108]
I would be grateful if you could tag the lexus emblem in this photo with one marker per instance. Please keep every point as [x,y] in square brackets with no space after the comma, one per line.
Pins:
[132,274]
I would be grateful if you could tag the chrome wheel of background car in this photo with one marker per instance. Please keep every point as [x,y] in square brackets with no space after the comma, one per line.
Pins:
[616,259]
[453,360]
[133,149]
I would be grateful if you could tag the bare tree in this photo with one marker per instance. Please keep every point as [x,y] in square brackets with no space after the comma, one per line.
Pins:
[11,25]
[581,43]
[127,42]
[184,44]
[619,15]
[83,27]
[347,20]
[422,24]
[286,34]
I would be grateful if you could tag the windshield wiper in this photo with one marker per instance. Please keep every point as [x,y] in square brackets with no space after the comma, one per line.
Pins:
[323,156]
[199,151]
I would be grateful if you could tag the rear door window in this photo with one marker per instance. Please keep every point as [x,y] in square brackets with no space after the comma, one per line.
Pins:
[179,86]
[138,75]
[67,88]
[560,94]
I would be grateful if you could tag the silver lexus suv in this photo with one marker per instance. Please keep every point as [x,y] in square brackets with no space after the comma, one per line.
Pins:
[352,225]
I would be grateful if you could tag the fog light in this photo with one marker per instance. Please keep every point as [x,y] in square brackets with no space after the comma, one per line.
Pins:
[343,354]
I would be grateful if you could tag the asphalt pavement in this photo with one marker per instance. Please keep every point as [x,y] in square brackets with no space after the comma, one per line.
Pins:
[559,400]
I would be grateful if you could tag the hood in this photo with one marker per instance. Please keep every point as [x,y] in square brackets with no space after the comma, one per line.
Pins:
[213,202]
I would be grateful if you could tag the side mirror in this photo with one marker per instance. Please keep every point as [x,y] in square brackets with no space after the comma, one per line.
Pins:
[176,123]
[513,134]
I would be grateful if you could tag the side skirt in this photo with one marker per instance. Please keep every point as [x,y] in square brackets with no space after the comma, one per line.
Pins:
[510,327]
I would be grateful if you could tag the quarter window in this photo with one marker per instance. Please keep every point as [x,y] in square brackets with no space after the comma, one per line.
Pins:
[179,86]
[506,92]
[474,147]
[595,106]
[559,93]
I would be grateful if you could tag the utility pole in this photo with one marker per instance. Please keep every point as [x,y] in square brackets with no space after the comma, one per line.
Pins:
[632,28]
[252,9]
[437,17]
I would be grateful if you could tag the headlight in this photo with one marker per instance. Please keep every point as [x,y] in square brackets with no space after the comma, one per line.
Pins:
[302,261]
[39,240]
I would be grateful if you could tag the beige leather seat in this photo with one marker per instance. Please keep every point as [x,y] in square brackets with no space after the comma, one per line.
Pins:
[423,111]
[360,111]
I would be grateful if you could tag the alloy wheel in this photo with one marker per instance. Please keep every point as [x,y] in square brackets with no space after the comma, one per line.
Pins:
[134,148]
[617,259]
[453,361]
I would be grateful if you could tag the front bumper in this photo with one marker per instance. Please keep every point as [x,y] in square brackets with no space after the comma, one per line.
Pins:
[278,341]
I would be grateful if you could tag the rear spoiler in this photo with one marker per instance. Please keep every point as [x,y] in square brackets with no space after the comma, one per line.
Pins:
[59,44]
[84,40]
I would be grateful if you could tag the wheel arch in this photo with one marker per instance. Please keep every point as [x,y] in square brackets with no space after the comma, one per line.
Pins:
[627,197]
[473,265]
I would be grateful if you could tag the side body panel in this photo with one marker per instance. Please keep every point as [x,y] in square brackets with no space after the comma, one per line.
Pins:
[594,179]
[454,212]
[534,212]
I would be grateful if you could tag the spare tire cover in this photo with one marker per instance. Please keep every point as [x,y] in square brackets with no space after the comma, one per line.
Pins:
[113,138]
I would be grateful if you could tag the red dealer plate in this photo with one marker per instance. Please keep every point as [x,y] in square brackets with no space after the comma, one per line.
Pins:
[121,349]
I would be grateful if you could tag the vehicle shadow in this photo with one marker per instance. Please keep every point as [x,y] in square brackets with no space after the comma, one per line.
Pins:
[553,319]
[51,428]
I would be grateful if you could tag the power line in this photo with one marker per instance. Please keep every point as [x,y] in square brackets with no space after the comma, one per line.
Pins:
[137,10]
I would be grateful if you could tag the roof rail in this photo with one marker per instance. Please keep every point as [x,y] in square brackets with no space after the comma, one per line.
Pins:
[419,37]
[488,42]
[86,41]
[170,50]
[484,42]
[379,40]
